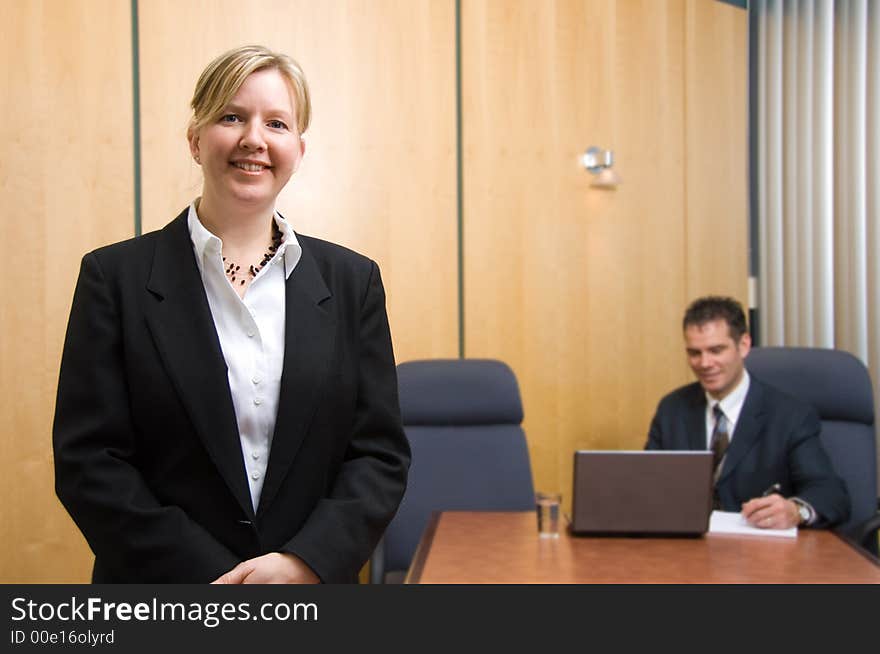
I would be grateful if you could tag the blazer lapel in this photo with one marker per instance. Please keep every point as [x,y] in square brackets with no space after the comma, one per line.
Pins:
[747,430]
[309,343]
[696,420]
[179,318]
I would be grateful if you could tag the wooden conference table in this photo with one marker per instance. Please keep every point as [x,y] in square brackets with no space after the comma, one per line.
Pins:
[504,547]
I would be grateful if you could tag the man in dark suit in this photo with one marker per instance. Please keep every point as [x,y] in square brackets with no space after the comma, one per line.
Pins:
[769,459]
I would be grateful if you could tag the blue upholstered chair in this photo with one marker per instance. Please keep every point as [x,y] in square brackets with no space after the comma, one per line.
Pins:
[462,418]
[837,384]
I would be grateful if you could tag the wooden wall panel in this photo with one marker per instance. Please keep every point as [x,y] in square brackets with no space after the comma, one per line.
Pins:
[716,136]
[66,184]
[581,290]
[379,170]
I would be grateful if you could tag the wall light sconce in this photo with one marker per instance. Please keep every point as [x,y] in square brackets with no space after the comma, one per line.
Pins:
[600,163]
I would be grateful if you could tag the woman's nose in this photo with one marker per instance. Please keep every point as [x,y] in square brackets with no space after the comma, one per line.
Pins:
[252,139]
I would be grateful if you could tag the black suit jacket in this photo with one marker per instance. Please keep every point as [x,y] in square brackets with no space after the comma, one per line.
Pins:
[148,459]
[776,440]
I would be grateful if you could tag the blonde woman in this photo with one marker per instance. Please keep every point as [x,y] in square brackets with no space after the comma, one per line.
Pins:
[227,404]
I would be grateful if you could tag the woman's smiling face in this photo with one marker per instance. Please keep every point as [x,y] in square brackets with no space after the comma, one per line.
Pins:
[250,152]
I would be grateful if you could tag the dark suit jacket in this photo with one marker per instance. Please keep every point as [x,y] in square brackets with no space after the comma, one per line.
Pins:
[148,459]
[776,440]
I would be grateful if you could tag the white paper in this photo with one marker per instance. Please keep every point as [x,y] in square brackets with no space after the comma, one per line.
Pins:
[727,522]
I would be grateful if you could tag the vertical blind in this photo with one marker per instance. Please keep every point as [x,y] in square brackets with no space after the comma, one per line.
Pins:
[818,174]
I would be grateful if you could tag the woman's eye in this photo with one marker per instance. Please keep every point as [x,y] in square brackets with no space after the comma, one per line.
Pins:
[277,124]
[230,118]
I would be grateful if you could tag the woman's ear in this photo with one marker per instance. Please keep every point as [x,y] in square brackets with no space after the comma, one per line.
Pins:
[192,137]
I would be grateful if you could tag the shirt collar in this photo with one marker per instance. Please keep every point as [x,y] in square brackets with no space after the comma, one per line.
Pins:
[207,244]
[733,402]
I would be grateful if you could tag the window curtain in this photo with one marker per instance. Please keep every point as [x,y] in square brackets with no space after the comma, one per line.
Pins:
[817,155]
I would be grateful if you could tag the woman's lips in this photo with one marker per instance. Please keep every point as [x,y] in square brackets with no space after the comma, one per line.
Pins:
[249,167]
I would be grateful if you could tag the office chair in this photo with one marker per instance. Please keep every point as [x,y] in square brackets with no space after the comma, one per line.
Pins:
[838,385]
[462,418]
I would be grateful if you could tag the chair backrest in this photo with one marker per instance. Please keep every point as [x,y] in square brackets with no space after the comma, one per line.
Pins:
[838,385]
[462,418]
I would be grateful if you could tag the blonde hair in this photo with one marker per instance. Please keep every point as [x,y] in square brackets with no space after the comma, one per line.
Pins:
[222,78]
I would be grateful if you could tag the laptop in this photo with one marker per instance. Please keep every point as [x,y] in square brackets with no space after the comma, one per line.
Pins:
[641,492]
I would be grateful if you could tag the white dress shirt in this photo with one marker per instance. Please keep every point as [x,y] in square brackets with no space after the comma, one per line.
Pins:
[731,405]
[251,333]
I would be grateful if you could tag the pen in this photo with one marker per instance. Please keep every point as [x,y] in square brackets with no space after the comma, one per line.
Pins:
[774,488]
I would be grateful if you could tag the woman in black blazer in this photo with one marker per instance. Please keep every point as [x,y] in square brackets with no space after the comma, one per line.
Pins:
[227,404]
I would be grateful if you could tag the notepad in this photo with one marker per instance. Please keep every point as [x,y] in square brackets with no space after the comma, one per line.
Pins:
[728,522]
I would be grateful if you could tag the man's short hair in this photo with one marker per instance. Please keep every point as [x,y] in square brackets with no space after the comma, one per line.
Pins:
[715,307]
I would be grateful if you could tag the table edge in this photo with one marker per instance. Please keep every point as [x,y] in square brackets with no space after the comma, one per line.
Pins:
[414,574]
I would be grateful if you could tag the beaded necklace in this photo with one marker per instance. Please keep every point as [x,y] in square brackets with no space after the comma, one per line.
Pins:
[233,269]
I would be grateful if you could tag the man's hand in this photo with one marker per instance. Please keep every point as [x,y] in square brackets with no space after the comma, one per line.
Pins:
[274,568]
[771,512]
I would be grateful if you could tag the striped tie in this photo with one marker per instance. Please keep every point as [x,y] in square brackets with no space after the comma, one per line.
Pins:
[718,444]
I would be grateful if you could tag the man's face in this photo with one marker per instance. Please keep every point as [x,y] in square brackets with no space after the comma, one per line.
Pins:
[715,358]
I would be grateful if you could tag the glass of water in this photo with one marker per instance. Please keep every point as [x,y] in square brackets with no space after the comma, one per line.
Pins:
[547,508]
